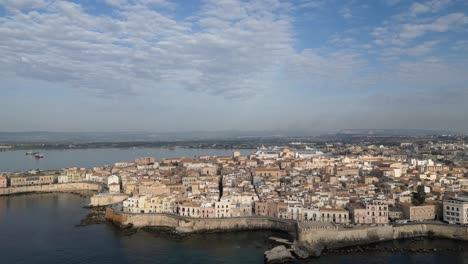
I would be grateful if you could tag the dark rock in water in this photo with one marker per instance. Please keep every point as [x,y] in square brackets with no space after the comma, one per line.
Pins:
[306,250]
[279,254]
[96,216]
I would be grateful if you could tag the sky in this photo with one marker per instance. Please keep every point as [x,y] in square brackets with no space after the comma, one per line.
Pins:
[214,65]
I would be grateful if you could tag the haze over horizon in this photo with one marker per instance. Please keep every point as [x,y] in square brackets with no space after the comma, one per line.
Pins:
[216,65]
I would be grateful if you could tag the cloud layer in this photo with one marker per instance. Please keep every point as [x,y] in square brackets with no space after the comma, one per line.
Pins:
[241,49]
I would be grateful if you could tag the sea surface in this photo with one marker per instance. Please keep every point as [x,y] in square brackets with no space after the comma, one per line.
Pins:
[17,160]
[41,228]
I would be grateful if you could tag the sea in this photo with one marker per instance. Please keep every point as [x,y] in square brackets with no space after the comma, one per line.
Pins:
[43,228]
[17,160]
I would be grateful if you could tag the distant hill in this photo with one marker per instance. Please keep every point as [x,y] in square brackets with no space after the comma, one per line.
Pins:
[88,137]
[85,137]
[392,132]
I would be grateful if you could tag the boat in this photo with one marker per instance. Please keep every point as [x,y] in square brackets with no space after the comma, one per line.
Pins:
[270,152]
[39,156]
[32,153]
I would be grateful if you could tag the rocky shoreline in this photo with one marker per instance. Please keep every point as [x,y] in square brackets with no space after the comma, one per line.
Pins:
[386,247]
[95,217]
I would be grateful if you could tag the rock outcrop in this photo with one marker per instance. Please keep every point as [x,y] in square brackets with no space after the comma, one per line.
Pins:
[279,254]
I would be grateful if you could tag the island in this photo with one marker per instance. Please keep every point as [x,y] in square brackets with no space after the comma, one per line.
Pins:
[329,197]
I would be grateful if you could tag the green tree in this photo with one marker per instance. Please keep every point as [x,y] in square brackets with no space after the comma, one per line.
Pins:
[419,197]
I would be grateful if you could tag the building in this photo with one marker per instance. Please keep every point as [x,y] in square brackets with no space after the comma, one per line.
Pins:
[145,161]
[17,181]
[135,204]
[377,212]
[114,188]
[417,213]
[62,179]
[268,172]
[456,210]
[207,211]
[334,215]
[3,182]
[222,209]
[358,213]
[113,179]
[190,209]
[31,180]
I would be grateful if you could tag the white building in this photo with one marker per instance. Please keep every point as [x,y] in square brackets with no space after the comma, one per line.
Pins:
[223,209]
[62,179]
[456,210]
[113,179]
[135,204]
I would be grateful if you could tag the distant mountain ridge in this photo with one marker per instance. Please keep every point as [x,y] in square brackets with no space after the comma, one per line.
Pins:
[394,132]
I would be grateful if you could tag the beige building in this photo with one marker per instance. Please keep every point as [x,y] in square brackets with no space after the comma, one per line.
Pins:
[416,213]
[190,209]
[375,212]
[358,213]
[270,172]
[17,181]
[114,188]
[3,182]
[145,161]
[222,209]
[31,180]
[153,189]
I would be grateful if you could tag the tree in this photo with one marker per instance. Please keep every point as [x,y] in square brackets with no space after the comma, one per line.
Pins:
[419,197]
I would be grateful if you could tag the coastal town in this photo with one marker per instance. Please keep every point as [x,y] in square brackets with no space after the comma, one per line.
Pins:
[337,184]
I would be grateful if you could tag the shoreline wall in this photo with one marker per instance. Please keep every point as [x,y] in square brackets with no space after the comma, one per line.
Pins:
[337,238]
[105,199]
[189,225]
[60,187]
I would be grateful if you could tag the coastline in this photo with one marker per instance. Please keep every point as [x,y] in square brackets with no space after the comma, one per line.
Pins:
[186,225]
[330,241]
[50,188]
[308,242]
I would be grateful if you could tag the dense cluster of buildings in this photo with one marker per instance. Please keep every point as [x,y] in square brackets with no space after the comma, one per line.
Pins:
[342,184]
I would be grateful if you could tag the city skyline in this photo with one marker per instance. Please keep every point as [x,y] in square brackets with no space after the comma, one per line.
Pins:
[163,66]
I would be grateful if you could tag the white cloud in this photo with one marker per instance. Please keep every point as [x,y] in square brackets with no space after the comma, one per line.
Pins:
[230,48]
[20,4]
[239,43]
[418,8]
[442,24]
[345,12]
[429,6]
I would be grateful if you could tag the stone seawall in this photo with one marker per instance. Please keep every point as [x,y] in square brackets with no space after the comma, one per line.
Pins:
[189,225]
[314,239]
[62,187]
[104,199]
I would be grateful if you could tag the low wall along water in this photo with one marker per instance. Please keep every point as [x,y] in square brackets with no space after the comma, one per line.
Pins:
[188,225]
[62,187]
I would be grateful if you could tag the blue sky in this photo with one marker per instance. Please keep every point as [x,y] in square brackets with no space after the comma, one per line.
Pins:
[163,65]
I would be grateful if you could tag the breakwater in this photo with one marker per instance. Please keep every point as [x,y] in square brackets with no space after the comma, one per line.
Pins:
[192,225]
[311,242]
[61,187]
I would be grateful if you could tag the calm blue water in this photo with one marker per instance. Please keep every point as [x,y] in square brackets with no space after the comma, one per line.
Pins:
[58,159]
[40,228]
